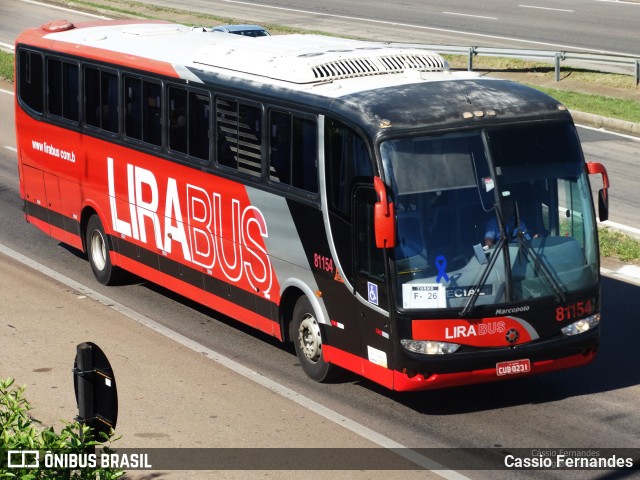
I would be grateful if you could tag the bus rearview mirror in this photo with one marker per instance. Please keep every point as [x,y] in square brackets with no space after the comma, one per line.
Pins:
[603,195]
[383,217]
[603,205]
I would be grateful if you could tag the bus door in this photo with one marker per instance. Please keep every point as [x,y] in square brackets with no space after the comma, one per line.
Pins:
[372,288]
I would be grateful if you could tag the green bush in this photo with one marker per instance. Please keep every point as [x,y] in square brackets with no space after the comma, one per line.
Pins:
[18,432]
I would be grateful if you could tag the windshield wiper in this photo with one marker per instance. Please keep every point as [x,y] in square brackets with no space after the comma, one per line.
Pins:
[540,265]
[538,262]
[483,279]
[497,207]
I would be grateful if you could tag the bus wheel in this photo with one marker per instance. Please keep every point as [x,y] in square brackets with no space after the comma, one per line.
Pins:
[98,252]
[307,339]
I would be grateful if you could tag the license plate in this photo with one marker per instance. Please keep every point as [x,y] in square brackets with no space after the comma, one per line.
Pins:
[513,368]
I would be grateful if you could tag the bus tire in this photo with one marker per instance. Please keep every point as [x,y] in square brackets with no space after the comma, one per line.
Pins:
[98,252]
[307,339]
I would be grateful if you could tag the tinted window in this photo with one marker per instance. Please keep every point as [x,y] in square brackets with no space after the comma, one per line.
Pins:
[189,122]
[62,89]
[31,73]
[133,107]
[101,99]
[346,157]
[178,119]
[151,113]
[293,153]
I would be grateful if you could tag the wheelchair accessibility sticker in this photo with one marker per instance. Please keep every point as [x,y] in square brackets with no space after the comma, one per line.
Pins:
[372,288]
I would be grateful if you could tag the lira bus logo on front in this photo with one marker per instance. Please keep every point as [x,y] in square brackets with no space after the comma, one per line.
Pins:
[217,233]
[463,331]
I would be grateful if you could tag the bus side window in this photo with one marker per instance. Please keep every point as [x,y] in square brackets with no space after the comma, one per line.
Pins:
[151,113]
[304,160]
[31,80]
[199,115]
[133,107]
[189,122]
[101,99]
[280,147]
[70,92]
[62,89]
[178,119]
[109,101]
[293,151]
[54,86]
[346,157]
[92,96]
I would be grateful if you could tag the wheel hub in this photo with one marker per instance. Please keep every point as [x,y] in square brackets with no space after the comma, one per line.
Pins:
[98,250]
[310,338]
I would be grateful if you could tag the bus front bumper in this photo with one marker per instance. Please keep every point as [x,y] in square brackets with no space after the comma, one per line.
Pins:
[465,368]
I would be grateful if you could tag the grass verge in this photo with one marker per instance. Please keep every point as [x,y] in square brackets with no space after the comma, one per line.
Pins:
[612,107]
[615,244]
[6,66]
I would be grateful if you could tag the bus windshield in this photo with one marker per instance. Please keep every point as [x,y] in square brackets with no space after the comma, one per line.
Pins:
[491,216]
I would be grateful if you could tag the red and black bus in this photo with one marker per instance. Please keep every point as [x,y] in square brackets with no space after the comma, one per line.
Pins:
[420,227]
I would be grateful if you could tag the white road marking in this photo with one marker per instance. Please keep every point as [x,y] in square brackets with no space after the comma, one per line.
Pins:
[470,15]
[619,1]
[596,129]
[547,8]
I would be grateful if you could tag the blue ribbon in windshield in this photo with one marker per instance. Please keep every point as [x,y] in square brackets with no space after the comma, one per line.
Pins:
[441,264]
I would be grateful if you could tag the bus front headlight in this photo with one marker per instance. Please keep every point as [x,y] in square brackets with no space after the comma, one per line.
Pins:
[429,347]
[582,326]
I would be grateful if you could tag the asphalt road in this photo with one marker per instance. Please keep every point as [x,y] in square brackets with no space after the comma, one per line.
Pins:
[592,25]
[595,25]
[593,407]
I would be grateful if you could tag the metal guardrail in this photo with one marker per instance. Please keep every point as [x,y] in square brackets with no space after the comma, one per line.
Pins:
[554,56]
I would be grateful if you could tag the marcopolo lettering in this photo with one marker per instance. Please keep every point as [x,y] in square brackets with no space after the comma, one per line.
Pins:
[510,311]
